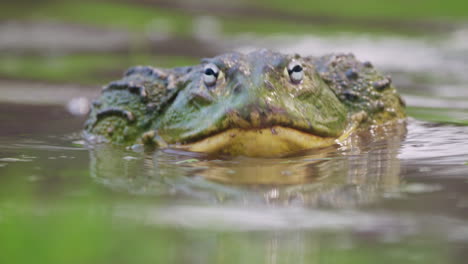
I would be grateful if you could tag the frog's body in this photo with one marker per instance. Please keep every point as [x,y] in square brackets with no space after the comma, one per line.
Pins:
[257,104]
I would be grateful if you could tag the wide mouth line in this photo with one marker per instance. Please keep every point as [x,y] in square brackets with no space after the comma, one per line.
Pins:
[200,138]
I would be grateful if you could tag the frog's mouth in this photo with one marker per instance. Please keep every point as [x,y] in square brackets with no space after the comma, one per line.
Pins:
[260,142]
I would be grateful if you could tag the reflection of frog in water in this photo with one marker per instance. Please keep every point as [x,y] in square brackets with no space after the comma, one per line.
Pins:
[331,177]
[259,104]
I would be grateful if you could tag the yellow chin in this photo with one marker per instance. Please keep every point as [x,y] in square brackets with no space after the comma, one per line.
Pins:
[266,142]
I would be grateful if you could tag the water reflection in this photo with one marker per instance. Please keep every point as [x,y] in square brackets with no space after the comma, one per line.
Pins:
[356,173]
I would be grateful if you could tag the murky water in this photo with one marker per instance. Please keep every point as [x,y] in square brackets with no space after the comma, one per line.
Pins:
[399,190]
[387,186]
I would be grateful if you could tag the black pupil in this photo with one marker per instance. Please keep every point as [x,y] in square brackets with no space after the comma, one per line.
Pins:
[297,68]
[210,71]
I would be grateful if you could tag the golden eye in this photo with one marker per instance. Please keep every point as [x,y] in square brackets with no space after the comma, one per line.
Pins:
[210,74]
[296,72]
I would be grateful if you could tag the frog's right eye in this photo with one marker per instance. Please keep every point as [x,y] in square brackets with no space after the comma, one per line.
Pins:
[210,74]
[296,72]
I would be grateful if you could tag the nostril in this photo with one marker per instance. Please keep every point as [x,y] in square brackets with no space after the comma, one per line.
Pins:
[237,88]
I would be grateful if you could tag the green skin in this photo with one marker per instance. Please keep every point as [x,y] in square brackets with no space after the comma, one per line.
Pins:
[254,90]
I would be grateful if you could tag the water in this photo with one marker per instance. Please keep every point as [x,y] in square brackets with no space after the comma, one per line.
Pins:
[390,187]
[393,194]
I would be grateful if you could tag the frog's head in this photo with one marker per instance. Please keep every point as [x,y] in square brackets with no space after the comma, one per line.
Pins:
[257,104]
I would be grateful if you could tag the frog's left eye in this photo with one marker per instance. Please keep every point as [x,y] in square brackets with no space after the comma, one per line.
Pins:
[295,71]
[210,74]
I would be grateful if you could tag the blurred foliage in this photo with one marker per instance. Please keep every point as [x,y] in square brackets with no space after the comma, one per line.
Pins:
[116,15]
[94,69]
[138,17]
[396,9]
[143,18]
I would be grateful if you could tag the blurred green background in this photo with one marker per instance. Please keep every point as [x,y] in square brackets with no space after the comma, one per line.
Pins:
[91,42]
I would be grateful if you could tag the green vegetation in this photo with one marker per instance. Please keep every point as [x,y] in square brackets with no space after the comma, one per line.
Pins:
[146,18]
[98,13]
[397,9]
[141,19]
[95,69]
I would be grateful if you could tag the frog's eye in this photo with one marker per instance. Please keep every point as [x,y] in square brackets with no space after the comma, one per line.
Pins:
[295,71]
[210,74]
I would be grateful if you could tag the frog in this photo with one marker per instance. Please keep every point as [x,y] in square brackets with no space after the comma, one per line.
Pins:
[260,104]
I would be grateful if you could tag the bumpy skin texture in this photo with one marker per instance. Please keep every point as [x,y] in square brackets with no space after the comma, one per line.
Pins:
[253,91]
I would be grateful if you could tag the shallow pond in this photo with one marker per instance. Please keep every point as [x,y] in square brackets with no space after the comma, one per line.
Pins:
[398,193]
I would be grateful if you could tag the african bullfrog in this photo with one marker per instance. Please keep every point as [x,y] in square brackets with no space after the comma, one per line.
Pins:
[262,103]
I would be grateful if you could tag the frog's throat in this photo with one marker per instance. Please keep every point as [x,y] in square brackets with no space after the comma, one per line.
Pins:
[266,142]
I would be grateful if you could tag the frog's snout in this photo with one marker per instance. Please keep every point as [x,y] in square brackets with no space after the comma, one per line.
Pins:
[253,116]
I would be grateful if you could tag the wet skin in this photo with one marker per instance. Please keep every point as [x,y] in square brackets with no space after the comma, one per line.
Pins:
[258,104]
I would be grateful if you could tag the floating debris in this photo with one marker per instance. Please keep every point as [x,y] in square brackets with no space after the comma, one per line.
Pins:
[78,143]
[129,158]
[28,157]
[137,148]
[78,106]
[187,161]
[14,160]
[421,188]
